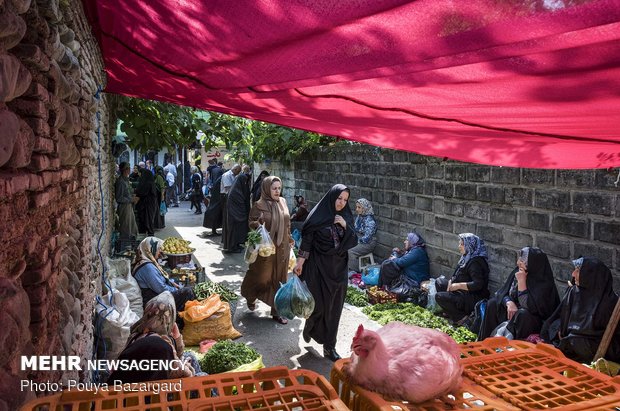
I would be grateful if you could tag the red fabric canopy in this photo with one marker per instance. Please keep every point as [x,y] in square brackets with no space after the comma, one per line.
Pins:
[531,83]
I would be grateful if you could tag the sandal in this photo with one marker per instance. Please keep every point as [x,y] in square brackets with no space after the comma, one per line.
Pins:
[280,320]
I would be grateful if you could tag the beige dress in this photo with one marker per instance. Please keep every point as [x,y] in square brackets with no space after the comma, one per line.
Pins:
[263,278]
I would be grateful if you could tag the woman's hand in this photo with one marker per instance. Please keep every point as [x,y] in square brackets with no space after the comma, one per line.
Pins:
[511,309]
[456,286]
[339,220]
[298,266]
[175,331]
[261,220]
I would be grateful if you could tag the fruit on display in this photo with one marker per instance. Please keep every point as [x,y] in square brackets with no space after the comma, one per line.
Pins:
[176,245]
[190,277]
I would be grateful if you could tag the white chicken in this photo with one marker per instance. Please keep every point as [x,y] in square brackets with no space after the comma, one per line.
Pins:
[405,362]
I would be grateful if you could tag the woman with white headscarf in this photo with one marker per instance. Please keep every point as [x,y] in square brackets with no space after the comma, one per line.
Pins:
[469,282]
[365,227]
[152,279]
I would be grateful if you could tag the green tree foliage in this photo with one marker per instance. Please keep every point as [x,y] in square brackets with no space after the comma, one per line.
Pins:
[153,125]
[258,141]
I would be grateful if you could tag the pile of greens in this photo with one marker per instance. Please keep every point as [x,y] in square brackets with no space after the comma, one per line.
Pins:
[254,238]
[227,355]
[204,290]
[414,315]
[356,297]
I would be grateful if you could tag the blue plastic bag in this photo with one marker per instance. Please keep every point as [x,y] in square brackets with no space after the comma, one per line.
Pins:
[162,208]
[370,274]
[294,299]
[296,235]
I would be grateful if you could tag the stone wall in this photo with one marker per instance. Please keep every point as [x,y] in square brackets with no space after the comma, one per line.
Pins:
[50,206]
[567,213]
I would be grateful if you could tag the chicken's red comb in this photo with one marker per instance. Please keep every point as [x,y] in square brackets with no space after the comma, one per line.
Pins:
[359,331]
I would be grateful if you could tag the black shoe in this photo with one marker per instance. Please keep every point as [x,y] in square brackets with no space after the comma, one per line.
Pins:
[198,212]
[307,338]
[331,354]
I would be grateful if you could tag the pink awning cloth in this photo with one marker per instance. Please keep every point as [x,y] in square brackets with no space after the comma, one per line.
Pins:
[532,83]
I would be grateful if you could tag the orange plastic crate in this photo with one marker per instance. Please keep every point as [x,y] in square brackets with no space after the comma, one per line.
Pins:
[504,375]
[470,396]
[537,376]
[270,389]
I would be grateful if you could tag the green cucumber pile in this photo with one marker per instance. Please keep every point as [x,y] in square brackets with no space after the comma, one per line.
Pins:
[414,315]
[227,355]
[204,290]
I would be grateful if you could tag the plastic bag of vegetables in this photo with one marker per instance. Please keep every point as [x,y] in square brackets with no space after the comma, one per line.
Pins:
[294,299]
[266,246]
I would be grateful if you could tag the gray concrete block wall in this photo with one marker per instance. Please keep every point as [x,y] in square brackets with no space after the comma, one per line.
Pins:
[567,213]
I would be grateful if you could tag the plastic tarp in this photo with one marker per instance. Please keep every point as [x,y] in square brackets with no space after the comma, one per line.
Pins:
[530,83]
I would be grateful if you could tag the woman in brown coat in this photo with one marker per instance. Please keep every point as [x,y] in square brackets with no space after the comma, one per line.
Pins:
[264,276]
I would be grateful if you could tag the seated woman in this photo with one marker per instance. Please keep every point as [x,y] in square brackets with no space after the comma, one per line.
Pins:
[299,213]
[154,337]
[365,228]
[577,325]
[412,262]
[470,281]
[151,277]
[526,300]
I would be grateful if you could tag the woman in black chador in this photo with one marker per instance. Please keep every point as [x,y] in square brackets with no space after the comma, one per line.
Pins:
[577,325]
[213,214]
[238,211]
[148,205]
[326,237]
[526,300]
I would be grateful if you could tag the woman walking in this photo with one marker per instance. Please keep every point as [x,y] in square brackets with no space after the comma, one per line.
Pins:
[264,276]
[327,236]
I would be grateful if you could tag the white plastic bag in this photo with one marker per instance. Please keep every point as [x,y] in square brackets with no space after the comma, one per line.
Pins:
[113,321]
[119,275]
[432,305]
[251,253]
[266,246]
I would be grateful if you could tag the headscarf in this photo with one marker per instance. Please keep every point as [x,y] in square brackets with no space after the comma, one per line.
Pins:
[366,206]
[540,282]
[159,170]
[322,215]
[146,254]
[415,240]
[474,247]
[593,300]
[276,230]
[257,186]
[159,316]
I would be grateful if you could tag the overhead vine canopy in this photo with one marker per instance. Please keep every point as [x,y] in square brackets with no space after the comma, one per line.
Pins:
[530,83]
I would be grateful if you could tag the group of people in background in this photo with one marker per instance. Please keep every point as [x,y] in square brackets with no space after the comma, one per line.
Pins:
[333,239]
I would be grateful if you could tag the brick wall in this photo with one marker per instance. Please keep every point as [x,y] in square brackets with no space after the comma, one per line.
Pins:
[567,213]
[50,207]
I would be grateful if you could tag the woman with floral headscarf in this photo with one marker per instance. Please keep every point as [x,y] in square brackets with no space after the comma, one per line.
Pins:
[155,336]
[528,297]
[469,282]
[577,325]
[411,262]
[365,228]
[152,279]
[264,276]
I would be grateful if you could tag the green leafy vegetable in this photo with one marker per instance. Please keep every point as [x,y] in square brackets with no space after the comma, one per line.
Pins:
[254,238]
[356,297]
[204,290]
[227,355]
[414,315]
